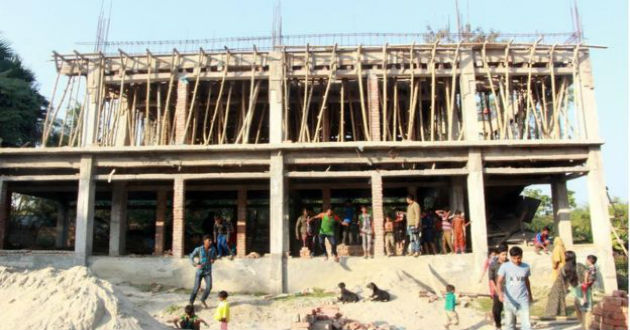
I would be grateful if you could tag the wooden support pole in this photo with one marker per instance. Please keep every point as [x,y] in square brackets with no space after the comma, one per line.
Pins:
[359,66]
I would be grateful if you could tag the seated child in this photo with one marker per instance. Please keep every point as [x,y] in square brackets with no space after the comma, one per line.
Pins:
[541,241]
[188,320]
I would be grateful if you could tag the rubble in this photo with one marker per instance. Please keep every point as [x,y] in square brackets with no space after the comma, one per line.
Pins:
[328,317]
[611,313]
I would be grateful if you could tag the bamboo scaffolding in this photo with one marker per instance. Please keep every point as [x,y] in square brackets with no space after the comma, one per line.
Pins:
[412,96]
[529,81]
[384,112]
[193,100]
[432,64]
[51,119]
[219,99]
[205,134]
[361,97]
[342,134]
[333,69]
[498,112]
[66,116]
[227,115]
[50,105]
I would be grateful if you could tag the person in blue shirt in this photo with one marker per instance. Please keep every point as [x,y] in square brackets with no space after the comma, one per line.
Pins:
[514,291]
[348,229]
[202,258]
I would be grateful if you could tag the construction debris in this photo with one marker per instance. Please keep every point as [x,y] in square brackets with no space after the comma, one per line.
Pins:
[612,312]
[329,318]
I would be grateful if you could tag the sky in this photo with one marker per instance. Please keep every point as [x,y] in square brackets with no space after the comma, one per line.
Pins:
[36,28]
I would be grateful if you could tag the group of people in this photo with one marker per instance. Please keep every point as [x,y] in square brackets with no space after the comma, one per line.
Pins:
[431,231]
[510,290]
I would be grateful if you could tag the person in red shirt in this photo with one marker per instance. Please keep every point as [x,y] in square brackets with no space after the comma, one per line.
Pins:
[459,232]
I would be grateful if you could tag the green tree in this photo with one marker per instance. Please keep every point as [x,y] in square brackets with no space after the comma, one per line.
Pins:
[22,107]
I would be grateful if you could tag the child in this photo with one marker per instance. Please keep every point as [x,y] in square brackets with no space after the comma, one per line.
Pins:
[366,225]
[459,232]
[400,231]
[447,230]
[541,241]
[188,320]
[389,236]
[589,276]
[222,314]
[514,290]
[449,306]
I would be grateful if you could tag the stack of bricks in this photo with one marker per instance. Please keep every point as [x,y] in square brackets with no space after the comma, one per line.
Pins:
[179,202]
[349,250]
[611,313]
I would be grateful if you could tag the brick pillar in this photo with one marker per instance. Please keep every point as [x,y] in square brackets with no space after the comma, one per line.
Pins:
[241,223]
[374,108]
[5,210]
[179,208]
[181,107]
[160,220]
[377,214]
[325,199]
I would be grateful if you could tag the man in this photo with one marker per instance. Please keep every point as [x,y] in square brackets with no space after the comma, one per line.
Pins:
[205,255]
[493,270]
[301,230]
[327,231]
[413,225]
[514,290]
[348,237]
[222,231]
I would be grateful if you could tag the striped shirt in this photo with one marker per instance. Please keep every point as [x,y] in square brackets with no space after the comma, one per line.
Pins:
[446,225]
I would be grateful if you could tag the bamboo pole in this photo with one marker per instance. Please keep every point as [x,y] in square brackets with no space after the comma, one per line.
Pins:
[432,64]
[494,94]
[227,115]
[65,118]
[51,120]
[51,103]
[194,96]
[206,135]
[361,98]
[554,101]
[352,121]
[451,111]
[285,90]
[148,97]
[303,120]
[507,94]
[260,122]
[342,134]
[396,111]
[412,93]
[332,70]
[174,69]
[384,121]
[529,81]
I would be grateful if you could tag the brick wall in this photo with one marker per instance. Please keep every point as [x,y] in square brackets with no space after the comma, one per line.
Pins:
[377,213]
[241,223]
[374,108]
[181,108]
[160,219]
[179,205]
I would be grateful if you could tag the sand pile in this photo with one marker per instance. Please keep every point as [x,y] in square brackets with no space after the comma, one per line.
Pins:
[66,299]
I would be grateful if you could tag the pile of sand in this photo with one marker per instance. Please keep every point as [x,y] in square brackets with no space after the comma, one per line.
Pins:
[66,299]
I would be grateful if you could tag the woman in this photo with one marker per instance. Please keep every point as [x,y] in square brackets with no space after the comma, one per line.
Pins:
[567,277]
[557,257]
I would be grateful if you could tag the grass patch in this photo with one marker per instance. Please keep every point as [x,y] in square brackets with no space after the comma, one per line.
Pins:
[483,304]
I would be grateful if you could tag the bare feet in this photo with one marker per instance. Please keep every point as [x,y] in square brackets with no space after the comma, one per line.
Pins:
[204,304]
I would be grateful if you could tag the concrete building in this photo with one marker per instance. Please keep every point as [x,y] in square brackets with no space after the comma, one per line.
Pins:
[466,123]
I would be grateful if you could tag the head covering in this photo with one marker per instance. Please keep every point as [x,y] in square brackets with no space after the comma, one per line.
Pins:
[557,256]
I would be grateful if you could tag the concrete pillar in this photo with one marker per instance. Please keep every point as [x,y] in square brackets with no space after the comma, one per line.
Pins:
[5,210]
[374,107]
[276,129]
[477,209]
[325,199]
[62,225]
[586,93]
[377,215]
[278,222]
[241,222]
[160,221]
[600,219]
[122,135]
[84,228]
[561,210]
[468,87]
[93,84]
[118,220]
[179,209]
[456,194]
[181,109]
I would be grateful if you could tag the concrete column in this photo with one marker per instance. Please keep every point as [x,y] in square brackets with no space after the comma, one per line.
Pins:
[456,194]
[118,220]
[587,98]
[278,222]
[122,137]
[600,219]
[84,228]
[62,225]
[374,107]
[5,210]
[468,89]
[325,199]
[160,220]
[377,214]
[90,124]
[179,209]
[241,222]
[561,210]
[181,109]
[276,130]
[477,209]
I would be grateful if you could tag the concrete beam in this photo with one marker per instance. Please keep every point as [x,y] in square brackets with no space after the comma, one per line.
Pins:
[561,210]
[179,211]
[118,222]
[600,219]
[84,229]
[477,209]
[278,223]
[160,221]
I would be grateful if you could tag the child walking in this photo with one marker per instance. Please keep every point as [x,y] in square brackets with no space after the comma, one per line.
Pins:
[589,277]
[189,320]
[449,307]
[222,314]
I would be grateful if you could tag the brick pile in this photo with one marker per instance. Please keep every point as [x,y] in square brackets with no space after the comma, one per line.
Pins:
[329,318]
[611,313]
[349,250]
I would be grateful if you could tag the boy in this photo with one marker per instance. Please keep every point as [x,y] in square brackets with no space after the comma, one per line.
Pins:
[493,270]
[589,276]
[389,236]
[366,227]
[541,241]
[449,306]
[205,255]
[222,229]
[413,225]
[327,231]
[222,313]
[188,320]
[514,290]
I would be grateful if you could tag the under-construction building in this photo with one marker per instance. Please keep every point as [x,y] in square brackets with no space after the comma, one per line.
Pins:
[269,130]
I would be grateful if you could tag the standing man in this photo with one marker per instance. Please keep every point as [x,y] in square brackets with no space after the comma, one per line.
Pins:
[222,231]
[206,255]
[493,274]
[301,230]
[413,225]
[327,231]
[514,290]
[347,234]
